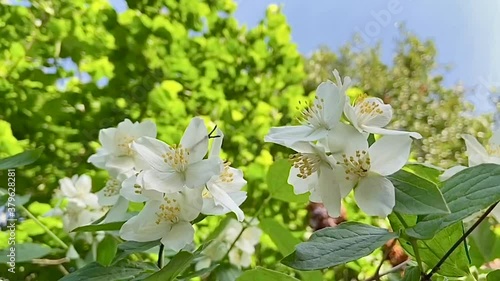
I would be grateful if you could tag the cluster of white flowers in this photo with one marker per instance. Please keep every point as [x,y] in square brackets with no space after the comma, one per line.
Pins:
[479,154]
[241,253]
[333,154]
[77,204]
[177,183]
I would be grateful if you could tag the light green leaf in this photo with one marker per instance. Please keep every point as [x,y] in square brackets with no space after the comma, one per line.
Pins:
[261,274]
[25,252]
[25,158]
[176,266]
[417,196]
[197,273]
[106,250]
[337,245]
[277,178]
[99,227]
[424,171]
[286,243]
[468,192]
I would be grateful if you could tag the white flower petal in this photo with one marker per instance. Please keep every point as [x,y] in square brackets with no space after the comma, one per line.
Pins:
[117,165]
[226,201]
[107,139]
[375,195]
[199,173]
[382,131]
[289,135]
[496,213]
[475,151]
[99,158]
[329,191]
[389,154]
[146,128]
[377,120]
[345,138]
[180,235]
[333,102]
[217,143]
[350,113]
[163,182]
[67,187]
[190,202]
[195,139]
[150,150]
[118,212]
[301,185]
[143,227]
[451,172]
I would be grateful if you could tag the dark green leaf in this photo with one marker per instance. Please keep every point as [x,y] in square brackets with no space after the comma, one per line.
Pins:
[261,274]
[99,227]
[417,196]
[96,272]
[174,268]
[431,251]
[286,243]
[466,193]
[197,273]
[106,250]
[412,273]
[493,276]
[24,158]
[24,252]
[337,245]
[277,178]
[225,272]
[130,247]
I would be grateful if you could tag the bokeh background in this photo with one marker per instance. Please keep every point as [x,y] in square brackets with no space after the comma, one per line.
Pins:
[69,68]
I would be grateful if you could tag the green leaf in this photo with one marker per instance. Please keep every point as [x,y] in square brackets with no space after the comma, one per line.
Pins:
[96,272]
[493,276]
[431,251]
[417,196]
[485,245]
[106,250]
[197,273]
[337,245]
[424,171]
[412,273]
[99,227]
[286,242]
[277,178]
[261,274]
[225,272]
[127,248]
[24,158]
[466,193]
[24,252]
[176,266]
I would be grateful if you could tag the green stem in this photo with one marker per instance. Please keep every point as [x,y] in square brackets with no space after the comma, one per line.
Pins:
[49,232]
[413,242]
[459,241]
[248,224]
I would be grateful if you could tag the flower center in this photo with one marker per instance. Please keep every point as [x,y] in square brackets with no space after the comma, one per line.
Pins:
[307,163]
[124,146]
[137,188]
[206,194]
[366,109]
[312,114]
[357,165]
[177,158]
[226,175]
[168,211]
[112,187]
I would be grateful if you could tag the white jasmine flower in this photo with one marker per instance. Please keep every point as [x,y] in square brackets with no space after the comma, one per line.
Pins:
[370,115]
[173,167]
[78,191]
[134,191]
[320,119]
[167,218]
[365,169]
[116,155]
[223,191]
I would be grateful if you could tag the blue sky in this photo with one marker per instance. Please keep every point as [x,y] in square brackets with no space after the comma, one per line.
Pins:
[467,35]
